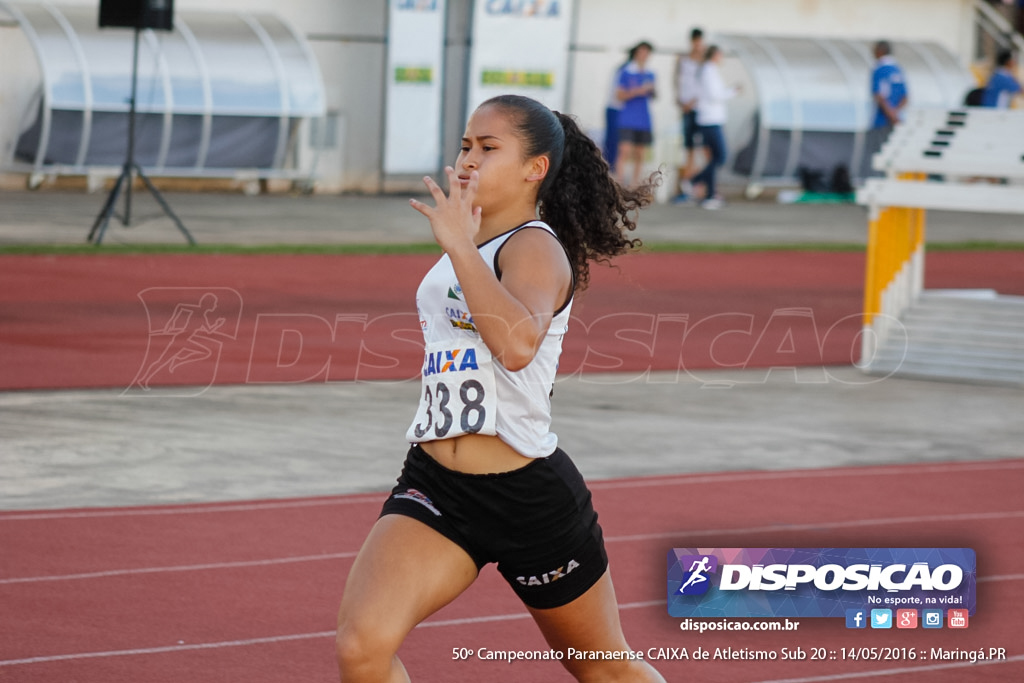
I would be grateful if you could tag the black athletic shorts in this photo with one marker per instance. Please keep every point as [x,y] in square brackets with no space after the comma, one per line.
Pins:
[635,136]
[691,131]
[537,523]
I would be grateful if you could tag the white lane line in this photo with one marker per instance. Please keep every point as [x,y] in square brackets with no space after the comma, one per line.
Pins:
[276,639]
[923,519]
[896,672]
[608,539]
[181,568]
[724,477]
[675,480]
[196,510]
[1001,577]
[169,648]
[522,615]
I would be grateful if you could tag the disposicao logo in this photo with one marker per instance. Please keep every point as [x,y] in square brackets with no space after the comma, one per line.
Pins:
[696,580]
[817,582]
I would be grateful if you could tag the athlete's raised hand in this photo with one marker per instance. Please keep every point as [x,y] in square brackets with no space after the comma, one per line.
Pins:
[454,219]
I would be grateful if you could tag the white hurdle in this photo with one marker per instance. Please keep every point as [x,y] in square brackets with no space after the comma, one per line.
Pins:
[969,159]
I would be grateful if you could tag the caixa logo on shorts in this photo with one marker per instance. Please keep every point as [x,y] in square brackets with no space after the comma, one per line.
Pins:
[548,577]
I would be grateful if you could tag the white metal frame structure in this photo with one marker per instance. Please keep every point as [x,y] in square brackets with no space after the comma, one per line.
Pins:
[222,95]
[813,100]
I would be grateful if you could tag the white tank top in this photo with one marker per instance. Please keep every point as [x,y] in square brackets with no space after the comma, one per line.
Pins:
[465,391]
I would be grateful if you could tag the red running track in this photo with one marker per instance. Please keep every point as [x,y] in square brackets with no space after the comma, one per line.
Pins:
[88,321]
[248,591]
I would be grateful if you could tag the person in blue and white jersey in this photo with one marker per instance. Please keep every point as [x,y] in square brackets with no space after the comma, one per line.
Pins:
[888,88]
[1002,86]
[636,89]
[612,108]
[889,97]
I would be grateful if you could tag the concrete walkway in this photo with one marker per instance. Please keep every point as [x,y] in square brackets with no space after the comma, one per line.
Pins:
[104,448]
[53,217]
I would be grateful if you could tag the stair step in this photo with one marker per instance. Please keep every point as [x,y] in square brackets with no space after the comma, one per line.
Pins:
[891,358]
[966,339]
[958,335]
[996,319]
[973,297]
[950,372]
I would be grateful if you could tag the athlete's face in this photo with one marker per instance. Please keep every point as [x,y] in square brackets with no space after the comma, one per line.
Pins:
[491,147]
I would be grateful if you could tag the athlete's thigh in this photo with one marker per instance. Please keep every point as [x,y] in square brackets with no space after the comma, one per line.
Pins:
[404,572]
[588,623]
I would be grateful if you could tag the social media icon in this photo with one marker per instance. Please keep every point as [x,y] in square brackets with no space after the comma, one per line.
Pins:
[906,618]
[931,618]
[856,618]
[881,618]
[958,618]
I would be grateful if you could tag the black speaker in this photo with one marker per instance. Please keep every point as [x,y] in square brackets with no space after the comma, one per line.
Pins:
[155,14]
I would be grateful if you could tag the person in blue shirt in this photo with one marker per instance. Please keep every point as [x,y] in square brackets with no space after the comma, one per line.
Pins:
[610,148]
[1002,87]
[636,88]
[888,87]
[889,96]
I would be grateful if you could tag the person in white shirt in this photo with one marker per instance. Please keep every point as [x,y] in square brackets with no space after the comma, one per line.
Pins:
[687,91]
[712,114]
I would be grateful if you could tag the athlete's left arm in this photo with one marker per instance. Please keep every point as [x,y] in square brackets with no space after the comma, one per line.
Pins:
[535,272]
[513,314]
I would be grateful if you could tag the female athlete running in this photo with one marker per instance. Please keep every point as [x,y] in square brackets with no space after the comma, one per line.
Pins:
[530,203]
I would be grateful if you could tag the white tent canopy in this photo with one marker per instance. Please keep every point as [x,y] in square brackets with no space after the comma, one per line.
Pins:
[811,104]
[222,92]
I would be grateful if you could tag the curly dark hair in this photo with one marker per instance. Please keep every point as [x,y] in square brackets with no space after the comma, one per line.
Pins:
[585,206]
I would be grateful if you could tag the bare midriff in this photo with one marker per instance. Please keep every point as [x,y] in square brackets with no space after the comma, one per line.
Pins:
[475,454]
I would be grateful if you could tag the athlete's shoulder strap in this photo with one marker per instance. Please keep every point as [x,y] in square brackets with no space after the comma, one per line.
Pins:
[540,225]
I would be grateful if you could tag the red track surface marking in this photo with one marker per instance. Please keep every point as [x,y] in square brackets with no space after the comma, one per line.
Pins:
[87,321]
[247,591]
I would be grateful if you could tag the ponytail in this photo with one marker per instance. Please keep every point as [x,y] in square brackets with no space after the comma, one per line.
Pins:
[585,206]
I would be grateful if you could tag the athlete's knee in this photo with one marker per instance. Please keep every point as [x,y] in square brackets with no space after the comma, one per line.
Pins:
[364,653]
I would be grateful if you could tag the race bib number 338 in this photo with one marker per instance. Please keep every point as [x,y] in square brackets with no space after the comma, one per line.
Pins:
[457,395]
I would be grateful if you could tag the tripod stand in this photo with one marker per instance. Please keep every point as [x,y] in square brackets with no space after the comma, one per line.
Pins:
[130,167]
